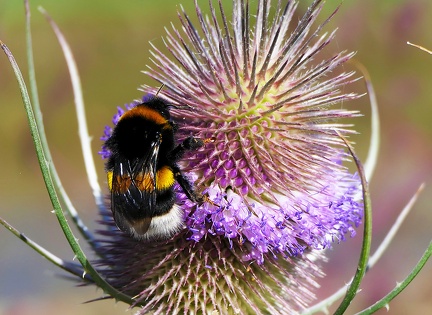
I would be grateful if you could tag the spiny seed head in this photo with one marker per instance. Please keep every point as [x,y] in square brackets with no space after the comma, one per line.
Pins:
[179,276]
[274,169]
[273,172]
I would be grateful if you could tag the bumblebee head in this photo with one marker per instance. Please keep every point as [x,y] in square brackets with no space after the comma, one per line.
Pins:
[160,105]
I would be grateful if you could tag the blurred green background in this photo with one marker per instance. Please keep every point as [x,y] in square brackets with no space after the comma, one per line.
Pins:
[110,43]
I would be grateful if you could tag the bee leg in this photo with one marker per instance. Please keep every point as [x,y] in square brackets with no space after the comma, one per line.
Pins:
[189,143]
[187,187]
[190,191]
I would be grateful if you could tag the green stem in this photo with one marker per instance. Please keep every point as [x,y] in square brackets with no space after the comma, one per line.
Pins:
[47,176]
[82,228]
[367,236]
[372,157]
[324,304]
[384,302]
[72,268]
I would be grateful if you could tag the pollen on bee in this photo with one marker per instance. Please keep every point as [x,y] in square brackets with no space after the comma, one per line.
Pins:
[209,140]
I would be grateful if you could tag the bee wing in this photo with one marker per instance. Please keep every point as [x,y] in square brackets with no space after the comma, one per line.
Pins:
[144,177]
[133,194]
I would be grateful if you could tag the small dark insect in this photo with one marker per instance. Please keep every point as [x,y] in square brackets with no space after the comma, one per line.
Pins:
[142,170]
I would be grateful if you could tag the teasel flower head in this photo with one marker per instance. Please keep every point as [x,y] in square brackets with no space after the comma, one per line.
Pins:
[256,84]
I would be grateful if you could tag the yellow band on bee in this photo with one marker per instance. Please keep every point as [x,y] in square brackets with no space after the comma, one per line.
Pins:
[110,179]
[164,180]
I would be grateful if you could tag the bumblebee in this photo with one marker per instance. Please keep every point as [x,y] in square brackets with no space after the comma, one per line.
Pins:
[142,170]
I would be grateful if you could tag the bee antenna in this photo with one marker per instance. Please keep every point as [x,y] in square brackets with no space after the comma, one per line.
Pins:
[160,88]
